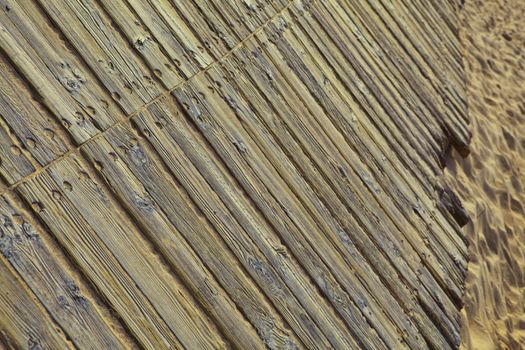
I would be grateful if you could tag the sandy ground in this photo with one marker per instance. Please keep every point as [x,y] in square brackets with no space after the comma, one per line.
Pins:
[491,180]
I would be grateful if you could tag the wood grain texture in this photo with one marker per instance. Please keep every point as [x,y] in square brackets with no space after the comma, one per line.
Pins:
[232,174]
[41,54]
[32,128]
[25,247]
[24,323]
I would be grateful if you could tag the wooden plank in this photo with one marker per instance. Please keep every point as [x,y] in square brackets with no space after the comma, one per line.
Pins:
[227,14]
[278,183]
[270,196]
[32,125]
[126,283]
[3,342]
[375,61]
[61,104]
[6,342]
[364,173]
[285,140]
[280,108]
[279,5]
[235,12]
[23,320]
[220,29]
[197,231]
[67,86]
[15,162]
[451,248]
[26,248]
[344,56]
[158,214]
[102,46]
[205,27]
[371,143]
[366,110]
[173,33]
[171,299]
[457,124]
[360,176]
[144,42]
[276,271]
[246,119]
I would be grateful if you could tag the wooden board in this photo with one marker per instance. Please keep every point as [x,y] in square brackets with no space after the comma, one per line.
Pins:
[231,174]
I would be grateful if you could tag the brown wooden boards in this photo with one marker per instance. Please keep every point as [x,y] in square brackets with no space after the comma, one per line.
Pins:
[24,323]
[38,51]
[232,174]
[27,247]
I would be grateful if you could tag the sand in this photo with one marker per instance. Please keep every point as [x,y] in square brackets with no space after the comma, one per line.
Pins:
[491,179]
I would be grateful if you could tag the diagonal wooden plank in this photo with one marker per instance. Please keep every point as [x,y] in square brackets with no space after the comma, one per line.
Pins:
[272,267]
[107,221]
[25,246]
[23,322]
[91,32]
[61,78]
[28,121]
[159,212]
[289,194]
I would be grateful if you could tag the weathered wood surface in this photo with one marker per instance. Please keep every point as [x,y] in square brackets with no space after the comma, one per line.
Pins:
[230,174]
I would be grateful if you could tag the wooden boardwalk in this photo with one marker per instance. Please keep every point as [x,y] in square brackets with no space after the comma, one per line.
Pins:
[230,174]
